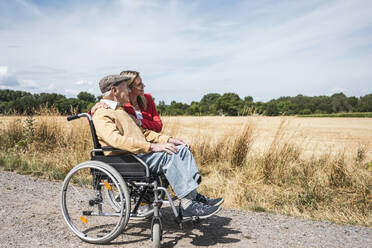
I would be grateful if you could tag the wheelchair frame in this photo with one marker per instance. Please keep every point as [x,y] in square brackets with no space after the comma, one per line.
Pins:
[136,184]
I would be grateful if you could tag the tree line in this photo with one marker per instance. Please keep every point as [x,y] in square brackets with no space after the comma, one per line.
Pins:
[22,102]
[232,105]
[229,104]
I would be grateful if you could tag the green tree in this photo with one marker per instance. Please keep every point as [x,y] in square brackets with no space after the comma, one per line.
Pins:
[365,103]
[229,104]
[353,102]
[271,109]
[70,105]
[85,96]
[339,103]
[248,106]
[25,104]
[176,108]
[48,99]
[5,107]
[208,104]
[286,107]
[194,109]
[161,107]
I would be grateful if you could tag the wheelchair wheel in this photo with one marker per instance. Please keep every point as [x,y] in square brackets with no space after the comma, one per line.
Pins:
[87,210]
[156,235]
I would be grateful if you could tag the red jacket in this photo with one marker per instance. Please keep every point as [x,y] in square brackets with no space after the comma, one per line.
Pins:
[151,119]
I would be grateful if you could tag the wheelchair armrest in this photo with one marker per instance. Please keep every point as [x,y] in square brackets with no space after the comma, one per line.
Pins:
[110,149]
[103,149]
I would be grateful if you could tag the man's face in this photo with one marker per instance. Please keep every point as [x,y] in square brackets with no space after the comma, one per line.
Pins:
[122,94]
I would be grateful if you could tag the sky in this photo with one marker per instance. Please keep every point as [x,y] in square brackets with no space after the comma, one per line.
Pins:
[186,49]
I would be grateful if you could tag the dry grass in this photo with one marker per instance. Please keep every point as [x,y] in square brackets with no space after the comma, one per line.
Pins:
[314,168]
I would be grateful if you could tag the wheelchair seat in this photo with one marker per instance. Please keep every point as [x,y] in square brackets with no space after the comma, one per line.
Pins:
[127,165]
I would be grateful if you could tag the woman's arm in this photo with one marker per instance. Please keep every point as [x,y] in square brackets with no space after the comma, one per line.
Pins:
[155,123]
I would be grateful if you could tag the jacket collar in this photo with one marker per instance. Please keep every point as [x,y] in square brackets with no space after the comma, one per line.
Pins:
[112,104]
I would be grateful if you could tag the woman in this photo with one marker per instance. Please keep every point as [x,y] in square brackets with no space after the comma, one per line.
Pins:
[141,106]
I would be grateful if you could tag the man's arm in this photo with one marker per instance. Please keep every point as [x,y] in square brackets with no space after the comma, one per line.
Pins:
[164,143]
[155,137]
[106,129]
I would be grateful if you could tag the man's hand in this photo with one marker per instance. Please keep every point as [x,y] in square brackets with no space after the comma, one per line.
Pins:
[164,147]
[177,142]
[99,105]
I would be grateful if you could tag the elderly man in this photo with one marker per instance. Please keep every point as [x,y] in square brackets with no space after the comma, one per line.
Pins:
[163,154]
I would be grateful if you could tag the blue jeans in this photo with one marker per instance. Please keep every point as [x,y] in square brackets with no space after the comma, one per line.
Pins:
[180,169]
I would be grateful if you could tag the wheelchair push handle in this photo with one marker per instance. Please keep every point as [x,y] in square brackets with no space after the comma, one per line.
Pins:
[74,117]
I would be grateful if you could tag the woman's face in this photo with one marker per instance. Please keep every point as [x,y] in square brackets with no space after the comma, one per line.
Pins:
[138,87]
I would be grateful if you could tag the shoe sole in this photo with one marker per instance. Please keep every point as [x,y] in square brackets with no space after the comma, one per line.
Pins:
[219,203]
[209,215]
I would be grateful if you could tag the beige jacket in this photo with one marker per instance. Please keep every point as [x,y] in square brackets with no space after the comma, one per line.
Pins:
[116,128]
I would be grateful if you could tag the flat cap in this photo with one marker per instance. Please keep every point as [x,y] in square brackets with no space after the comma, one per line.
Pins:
[107,82]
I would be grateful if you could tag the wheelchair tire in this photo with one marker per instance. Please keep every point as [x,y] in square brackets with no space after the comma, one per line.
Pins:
[87,210]
[156,235]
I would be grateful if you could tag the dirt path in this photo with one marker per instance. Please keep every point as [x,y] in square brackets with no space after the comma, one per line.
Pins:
[30,217]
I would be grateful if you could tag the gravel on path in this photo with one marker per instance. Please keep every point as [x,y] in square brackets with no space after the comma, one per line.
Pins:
[31,217]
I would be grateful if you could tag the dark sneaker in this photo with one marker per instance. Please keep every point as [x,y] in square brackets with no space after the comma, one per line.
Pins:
[200,210]
[208,201]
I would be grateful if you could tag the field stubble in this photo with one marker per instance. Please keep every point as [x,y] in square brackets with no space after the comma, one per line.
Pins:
[316,168]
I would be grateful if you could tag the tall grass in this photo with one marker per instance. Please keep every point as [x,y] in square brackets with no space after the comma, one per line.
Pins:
[332,187]
[45,142]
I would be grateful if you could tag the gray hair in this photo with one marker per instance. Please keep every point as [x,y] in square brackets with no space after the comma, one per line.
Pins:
[107,93]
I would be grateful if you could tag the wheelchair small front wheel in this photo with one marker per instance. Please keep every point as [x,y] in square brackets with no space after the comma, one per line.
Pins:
[87,211]
[156,235]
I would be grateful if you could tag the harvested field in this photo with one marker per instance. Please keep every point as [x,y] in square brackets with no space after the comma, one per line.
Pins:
[314,135]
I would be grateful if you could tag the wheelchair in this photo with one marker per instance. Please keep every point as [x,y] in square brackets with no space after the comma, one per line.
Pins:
[101,195]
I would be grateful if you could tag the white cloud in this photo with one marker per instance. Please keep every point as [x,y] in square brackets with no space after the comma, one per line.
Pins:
[29,84]
[71,92]
[3,71]
[7,79]
[84,83]
[338,90]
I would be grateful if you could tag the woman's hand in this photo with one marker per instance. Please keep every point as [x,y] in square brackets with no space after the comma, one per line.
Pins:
[99,105]
[177,142]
